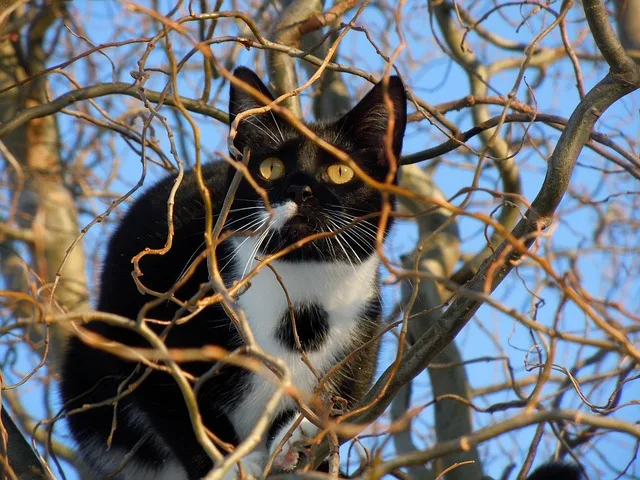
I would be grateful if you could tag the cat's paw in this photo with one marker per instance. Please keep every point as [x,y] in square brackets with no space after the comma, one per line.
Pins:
[288,456]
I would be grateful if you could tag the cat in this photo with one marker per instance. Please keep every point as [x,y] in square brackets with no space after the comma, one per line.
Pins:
[332,283]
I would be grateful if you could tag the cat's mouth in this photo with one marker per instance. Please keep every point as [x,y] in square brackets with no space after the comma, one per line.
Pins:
[293,224]
[298,227]
[293,221]
[298,221]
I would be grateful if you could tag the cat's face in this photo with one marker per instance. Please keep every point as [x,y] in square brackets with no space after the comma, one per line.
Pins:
[310,190]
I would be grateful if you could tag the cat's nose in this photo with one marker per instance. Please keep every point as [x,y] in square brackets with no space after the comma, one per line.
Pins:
[300,193]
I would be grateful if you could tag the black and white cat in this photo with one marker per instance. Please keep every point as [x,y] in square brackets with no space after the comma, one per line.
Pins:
[332,283]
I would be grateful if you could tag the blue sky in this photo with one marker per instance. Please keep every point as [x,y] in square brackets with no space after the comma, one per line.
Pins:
[433,77]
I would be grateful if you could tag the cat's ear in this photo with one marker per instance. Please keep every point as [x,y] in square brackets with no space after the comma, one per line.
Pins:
[367,121]
[239,100]
[258,131]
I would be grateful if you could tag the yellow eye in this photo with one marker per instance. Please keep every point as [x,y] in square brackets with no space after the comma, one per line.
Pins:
[271,168]
[339,173]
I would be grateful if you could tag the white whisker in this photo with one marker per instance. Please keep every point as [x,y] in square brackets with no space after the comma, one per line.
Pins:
[348,241]
[260,125]
[194,254]
[251,215]
[255,249]
[337,239]
[277,126]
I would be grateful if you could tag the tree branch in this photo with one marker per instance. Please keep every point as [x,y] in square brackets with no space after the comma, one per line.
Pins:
[554,121]
[333,97]
[332,15]
[628,18]
[19,455]
[467,441]
[496,146]
[101,90]
[437,252]
[282,68]
[608,44]
[559,170]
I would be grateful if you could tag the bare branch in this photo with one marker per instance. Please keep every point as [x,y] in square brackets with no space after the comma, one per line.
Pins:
[628,18]
[608,44]
[479,436]
[20,457]
[479,77]
[282,70]
[437,252]
[540,355]
[101,90]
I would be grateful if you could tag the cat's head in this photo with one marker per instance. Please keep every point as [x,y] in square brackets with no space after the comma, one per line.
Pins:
[309,189]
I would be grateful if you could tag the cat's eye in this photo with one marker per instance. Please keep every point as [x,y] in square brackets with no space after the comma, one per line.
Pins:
[340,173]
[271,168]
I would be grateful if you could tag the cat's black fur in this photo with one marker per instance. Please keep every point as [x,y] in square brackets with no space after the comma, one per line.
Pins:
[156,406]
[556,471]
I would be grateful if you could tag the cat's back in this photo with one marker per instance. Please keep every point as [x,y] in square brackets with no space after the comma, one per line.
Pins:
[144,226]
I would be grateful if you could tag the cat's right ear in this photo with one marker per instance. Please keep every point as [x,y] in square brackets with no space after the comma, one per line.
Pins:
[239,99]
[367,121]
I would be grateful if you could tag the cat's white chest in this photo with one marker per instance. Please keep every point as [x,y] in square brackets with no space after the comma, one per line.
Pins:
[342,290]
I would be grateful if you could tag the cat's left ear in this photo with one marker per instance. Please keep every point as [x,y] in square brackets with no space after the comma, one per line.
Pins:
[367,121]
[259,130]
[239,100]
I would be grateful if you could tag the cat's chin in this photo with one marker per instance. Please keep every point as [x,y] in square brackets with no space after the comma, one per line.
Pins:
[295,231]
[297,227]
[298,224]
[305,253]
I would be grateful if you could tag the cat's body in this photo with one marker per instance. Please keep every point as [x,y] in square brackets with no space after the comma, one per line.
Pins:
[332,285]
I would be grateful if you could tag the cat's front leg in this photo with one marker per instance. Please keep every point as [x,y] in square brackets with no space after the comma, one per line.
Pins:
[252,467]
[287,458]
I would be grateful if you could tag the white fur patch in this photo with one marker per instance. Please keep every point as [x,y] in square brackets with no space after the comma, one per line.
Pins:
[282,213]
[341,289]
